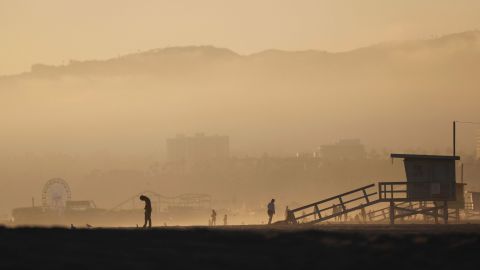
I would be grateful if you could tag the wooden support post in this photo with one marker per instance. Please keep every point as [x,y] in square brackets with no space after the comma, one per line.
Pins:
[445,212]
[341,203]
[392,213]
[366,196]
[291,218]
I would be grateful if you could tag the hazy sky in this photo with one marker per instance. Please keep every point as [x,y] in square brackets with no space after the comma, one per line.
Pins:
[54,31]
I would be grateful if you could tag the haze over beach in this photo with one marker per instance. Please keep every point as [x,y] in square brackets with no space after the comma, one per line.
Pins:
[273,102]
[315,51]
[312,123]
[55,31]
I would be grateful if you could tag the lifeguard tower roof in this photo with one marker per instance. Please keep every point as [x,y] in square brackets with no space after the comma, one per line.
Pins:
[413,156]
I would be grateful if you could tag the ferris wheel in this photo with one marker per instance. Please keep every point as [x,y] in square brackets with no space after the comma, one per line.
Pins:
[56,193]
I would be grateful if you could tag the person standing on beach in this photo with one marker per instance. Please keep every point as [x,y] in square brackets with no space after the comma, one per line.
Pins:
[148,211]
[271,210]
[225,222]
[214,217]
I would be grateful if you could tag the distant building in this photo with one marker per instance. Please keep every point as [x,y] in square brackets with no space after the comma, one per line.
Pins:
[197,148]
[343,150]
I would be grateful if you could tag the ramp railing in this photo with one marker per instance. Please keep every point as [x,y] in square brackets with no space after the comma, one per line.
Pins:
[334,207]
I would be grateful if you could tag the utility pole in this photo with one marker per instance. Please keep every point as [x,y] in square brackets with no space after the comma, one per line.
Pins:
[454,131]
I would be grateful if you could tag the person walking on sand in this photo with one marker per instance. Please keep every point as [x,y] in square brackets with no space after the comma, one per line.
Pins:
[148,211]
[271,210]
[214,217]
[225,223]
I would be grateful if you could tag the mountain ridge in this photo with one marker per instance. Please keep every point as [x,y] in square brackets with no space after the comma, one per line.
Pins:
[192,55]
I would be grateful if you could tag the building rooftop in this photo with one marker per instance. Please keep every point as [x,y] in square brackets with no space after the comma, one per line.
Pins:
[414,156]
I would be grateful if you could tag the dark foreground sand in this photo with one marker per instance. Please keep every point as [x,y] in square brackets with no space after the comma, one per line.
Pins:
[248,247]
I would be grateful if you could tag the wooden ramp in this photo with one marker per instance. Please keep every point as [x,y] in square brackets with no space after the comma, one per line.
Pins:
[334,207]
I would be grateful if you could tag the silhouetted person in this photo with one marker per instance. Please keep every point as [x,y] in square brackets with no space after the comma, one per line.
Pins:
[214,217]
[271,210]
[148,211]
[225,222]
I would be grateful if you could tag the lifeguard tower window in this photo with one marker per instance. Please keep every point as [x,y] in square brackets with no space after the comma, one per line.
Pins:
[429,177]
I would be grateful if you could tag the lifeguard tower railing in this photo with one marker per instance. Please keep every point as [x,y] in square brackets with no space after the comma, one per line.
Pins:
[411,191]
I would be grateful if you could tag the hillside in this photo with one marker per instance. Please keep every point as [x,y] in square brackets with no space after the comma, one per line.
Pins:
[273,101]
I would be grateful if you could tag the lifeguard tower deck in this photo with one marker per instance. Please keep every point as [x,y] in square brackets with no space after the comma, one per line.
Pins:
[430,189]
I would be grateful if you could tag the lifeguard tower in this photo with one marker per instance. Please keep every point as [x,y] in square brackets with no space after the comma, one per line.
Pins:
[430,190]
[431,184]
